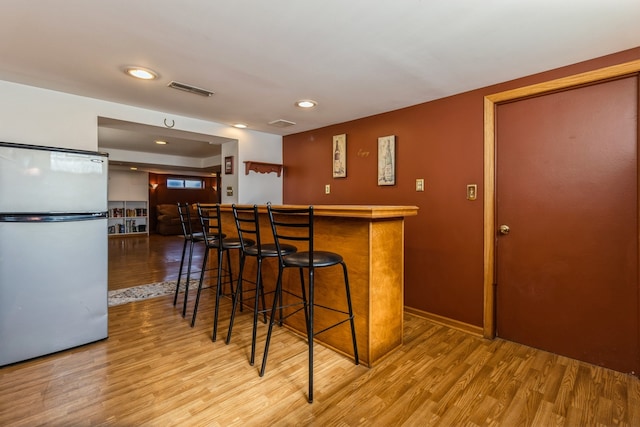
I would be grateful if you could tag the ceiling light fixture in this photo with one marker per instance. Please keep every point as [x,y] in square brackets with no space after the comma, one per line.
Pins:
[159,142]
[240,126]
[306,103]
[141,73]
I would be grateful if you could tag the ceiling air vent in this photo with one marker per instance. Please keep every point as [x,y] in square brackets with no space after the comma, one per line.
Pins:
[281,123]
[189,88]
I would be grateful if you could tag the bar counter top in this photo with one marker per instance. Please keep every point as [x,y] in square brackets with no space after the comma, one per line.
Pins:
[350,211]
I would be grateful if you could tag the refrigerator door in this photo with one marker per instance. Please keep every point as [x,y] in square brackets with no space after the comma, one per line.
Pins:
[39,179]
[53,286]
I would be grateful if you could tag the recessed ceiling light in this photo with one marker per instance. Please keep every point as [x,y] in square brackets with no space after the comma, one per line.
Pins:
[159,142]
[306,103]
[240,125]
[141,73]
[133,168]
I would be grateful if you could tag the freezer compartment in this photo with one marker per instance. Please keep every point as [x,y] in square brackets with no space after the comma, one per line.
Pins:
[42,180]
[53,286]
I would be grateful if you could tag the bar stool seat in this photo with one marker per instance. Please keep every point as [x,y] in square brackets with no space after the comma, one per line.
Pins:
[248,225]
[296,224]
[320,259]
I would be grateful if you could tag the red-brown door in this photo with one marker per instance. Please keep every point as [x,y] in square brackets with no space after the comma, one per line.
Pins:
[567,189]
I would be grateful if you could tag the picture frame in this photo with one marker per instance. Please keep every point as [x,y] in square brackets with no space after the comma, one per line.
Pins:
[340,156]
[228,165]
[387,160]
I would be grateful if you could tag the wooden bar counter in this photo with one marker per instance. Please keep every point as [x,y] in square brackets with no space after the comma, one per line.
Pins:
[371,241]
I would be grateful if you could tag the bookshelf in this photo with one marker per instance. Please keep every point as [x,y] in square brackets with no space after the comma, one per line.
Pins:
[128,217]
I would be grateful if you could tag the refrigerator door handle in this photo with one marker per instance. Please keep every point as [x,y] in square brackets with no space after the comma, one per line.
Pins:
[52,217]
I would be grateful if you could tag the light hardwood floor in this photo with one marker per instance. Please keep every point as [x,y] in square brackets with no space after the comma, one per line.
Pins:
[155,370]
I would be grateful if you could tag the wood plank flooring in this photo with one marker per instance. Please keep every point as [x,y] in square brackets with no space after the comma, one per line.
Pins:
[155,370]
[140,260]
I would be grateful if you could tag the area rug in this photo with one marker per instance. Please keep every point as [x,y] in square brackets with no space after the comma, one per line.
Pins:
[139,293]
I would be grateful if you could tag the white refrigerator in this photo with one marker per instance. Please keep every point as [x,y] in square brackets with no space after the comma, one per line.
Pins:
[53,250]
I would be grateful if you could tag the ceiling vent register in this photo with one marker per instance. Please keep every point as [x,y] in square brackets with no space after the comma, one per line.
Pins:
[281,123]
[190,89]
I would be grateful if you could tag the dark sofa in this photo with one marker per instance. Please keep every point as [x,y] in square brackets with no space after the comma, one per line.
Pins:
[168,219]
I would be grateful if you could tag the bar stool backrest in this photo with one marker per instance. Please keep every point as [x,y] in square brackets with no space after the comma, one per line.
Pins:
[187,223]
[292,224]
[209,215]
[183,212]
[248,225]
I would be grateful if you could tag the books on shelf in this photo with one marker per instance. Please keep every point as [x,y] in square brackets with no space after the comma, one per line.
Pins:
[127,217]
[116,212]
[130,212]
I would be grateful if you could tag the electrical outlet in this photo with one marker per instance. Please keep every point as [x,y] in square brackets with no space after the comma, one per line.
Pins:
[327,189]
[420,184]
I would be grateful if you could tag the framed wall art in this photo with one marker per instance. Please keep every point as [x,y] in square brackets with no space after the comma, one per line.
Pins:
[228,165]
[340,156]
[387,160]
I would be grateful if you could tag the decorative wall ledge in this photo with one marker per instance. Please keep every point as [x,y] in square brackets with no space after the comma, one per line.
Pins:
[261,167]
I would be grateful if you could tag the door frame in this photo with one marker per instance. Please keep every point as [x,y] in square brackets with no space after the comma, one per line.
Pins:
[490,103]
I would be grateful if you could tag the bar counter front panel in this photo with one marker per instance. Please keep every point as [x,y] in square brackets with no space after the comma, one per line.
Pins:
[371,241]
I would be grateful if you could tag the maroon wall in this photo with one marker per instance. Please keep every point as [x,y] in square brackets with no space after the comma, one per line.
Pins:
[442,142]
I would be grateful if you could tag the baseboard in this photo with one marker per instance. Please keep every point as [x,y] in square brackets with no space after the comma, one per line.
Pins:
[445,321]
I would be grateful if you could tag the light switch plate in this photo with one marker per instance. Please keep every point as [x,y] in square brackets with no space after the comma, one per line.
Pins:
[327,189]
[472,191]
[420,184]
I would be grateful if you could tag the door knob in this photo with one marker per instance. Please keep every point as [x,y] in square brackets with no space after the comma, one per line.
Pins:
[504,229]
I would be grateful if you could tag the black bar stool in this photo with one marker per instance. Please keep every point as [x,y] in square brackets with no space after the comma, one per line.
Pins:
[296,224]
[214,239]
[191,237]
[248,224]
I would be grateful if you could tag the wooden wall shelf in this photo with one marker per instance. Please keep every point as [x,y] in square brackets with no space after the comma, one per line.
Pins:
[261,167]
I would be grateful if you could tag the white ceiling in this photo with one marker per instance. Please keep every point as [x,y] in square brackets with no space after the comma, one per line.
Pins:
[356,58]
[127,136]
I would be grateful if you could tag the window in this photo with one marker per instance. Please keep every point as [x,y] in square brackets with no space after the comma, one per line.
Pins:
[193,183]
[185,183]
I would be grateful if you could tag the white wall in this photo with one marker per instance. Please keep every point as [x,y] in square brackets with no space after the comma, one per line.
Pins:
[256,187]
[229,182]
[37,116]
[128,186]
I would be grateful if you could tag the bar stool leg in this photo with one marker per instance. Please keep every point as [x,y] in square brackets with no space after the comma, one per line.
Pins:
[184,250]
[310,333]
[236,297]
[186,285]
[202,273]
[276,298]
[351,321]
[304,299]
[264,302]
[230,273]
[214,336]
[254,334]
[259,296]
